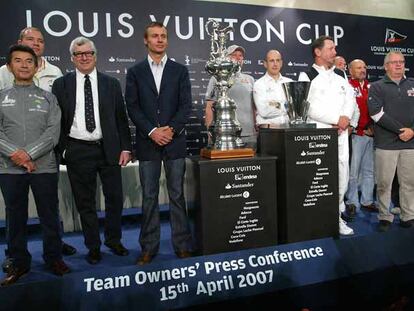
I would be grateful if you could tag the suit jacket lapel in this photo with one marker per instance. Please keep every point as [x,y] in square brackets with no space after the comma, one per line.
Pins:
[71,94]
[102,92]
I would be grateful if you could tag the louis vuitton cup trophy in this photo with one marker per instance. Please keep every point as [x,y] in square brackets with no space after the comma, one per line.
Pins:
[297,105]
[225,130]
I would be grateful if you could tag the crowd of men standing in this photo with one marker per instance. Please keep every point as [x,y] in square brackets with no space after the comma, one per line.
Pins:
[80,119]
[83,123]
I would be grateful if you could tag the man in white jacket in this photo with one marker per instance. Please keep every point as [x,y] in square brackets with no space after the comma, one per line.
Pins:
[268,94]
[331,105]
[46,73]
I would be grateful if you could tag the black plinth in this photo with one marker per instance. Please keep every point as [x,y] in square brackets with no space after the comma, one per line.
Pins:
[235,203]
[307,181]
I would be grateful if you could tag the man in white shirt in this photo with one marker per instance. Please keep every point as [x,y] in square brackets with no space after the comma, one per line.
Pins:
[46,73]
[158,97]
[268,93]
[94,139]
[332,104]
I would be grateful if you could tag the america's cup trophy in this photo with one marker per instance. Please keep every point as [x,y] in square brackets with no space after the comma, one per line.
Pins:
[297,105]
[225,130]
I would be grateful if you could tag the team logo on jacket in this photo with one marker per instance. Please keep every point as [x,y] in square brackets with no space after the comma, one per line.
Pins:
[391,36]
[8,100]
[410,92]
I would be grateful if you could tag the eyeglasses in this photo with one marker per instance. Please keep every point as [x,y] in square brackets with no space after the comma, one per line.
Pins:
[86,54]
[395,62]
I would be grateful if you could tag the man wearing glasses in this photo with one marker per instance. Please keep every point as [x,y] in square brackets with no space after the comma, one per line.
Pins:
[391,106]
[94,138]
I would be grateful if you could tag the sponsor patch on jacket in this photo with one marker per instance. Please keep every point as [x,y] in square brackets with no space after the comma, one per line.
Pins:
[410,92]
[38,107]
[8,101]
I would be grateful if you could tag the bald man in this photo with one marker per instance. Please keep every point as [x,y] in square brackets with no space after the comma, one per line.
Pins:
[361,174]
[268,94]
[46,73]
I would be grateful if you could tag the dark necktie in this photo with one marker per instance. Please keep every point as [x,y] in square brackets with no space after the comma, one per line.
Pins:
[89,114]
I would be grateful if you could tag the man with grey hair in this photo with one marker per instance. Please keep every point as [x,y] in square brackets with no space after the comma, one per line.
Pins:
[242,93]
[94,139]
[391,106]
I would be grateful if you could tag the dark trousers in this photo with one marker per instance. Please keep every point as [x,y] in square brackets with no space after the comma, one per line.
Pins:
[15,190]
[149,174]
[84,162]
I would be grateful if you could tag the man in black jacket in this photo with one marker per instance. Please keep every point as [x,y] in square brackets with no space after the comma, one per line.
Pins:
[94,138]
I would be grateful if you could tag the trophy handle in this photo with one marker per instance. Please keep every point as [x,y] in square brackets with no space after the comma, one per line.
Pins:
[215,26]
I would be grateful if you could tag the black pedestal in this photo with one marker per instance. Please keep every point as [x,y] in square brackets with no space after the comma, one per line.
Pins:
[235,203]
[307,181]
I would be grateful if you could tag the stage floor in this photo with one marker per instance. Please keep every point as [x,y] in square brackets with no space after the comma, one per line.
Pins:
[348,255]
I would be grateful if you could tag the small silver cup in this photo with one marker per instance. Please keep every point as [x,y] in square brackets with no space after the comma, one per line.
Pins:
[297,106]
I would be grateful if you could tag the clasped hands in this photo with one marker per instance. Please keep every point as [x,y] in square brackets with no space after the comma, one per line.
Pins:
[162,135]
[21,158]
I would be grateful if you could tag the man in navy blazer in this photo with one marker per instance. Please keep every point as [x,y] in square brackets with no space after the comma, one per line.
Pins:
[158,97]
[94,138]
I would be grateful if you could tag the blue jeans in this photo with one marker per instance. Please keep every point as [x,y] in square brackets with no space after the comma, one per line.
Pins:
[361,175]
[149,174]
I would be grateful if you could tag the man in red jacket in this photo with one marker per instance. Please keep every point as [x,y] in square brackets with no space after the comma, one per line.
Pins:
[361,175]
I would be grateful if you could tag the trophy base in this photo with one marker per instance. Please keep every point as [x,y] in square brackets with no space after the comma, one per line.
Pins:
[226,154]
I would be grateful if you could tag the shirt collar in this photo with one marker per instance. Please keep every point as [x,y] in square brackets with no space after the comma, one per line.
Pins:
[92,75]
[322,68]
[162,62]
[43,65]
[270,78]
[388,79]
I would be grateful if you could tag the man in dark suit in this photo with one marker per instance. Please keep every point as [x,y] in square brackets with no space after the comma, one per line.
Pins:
[94,138]
[158,97]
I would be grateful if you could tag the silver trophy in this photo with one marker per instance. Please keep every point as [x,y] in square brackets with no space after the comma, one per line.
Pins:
[297,105]
[225,129]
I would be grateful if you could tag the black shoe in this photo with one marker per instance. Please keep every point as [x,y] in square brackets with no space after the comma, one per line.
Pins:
[183,254]
[384,225]
[406,224]
[13,275]
[67,249]
[94,256]
[372,208]
[350,211]
[117,248]
[59,267]
[144,258]
[6,265]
